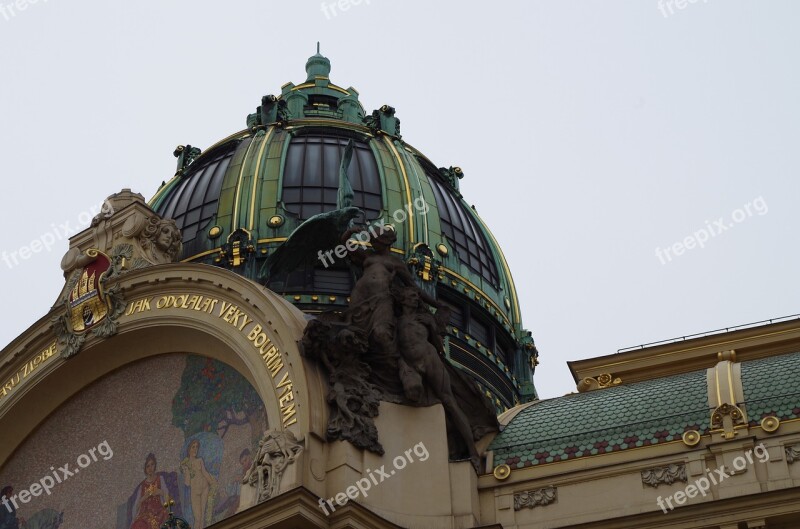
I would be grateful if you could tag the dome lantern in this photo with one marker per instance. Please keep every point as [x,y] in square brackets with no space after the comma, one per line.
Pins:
[317,66]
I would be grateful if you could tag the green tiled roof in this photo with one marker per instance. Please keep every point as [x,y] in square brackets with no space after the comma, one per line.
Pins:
[772,387]
[607,420]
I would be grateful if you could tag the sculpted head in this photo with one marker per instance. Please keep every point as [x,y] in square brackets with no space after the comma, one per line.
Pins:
[385,239]
[163,239]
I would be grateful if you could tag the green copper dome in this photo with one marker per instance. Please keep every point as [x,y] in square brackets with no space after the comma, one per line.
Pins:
[241,198]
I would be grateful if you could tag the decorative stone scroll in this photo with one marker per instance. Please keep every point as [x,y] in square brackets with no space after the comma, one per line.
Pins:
[535,498]
[664,475]
[792,453]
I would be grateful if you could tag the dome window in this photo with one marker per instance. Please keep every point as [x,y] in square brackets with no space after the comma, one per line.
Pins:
[311,176]
[192,202]
[461,228]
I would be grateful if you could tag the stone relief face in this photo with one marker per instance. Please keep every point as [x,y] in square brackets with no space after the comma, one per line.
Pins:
[165,238]
[272,447]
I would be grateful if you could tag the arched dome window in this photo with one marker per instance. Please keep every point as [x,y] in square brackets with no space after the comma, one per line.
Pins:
[193,202]
[311,176]
[463,232]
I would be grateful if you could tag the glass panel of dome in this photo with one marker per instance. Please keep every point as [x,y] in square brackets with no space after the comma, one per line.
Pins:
[462,230]
[192,217]
[332,281]
[479,331]
[331,160]
[372,202]
[202,180]
[186,193]
[312,168]
[456,314]
[312,196]
[330,195]
[209,205]
[293,172]
[193,201]
[291,194]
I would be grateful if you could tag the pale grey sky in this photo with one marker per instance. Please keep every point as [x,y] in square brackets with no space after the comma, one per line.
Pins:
[590,134]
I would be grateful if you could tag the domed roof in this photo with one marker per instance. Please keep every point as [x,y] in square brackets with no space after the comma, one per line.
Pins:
[241,198]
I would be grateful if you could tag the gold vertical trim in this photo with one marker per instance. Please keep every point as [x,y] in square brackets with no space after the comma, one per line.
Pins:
[238,194]
[716,381]
[504,263]
[397,156]
[730,383]
[422,196]
[256,177]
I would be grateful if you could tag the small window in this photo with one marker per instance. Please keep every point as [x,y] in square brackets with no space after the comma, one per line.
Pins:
[480,332]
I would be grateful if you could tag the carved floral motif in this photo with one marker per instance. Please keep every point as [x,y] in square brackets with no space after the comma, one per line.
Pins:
[535,498]
[664,475]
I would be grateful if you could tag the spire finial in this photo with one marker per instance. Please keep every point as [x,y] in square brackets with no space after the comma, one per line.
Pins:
[317,66]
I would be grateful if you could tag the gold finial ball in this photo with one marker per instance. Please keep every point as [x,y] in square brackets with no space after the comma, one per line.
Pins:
[214,232]
[502,472]
[691,438]
[442,249]
[276,221]
[770,424]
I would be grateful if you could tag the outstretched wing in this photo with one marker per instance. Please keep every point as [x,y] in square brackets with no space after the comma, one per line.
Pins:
[320,233]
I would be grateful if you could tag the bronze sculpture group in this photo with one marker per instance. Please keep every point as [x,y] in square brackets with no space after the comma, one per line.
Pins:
[387,344]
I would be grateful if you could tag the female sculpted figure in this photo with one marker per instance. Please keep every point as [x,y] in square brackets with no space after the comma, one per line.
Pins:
[161,241]
[372,302]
